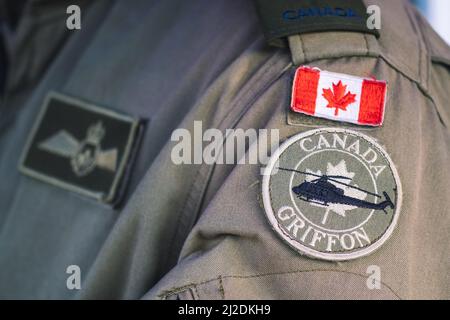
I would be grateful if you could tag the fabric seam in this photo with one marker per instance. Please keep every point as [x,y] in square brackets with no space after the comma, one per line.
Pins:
[177,290]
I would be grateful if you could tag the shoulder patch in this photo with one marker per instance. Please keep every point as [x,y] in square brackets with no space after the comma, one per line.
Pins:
[81,147]
[332,194]
[338,96]
[281,19]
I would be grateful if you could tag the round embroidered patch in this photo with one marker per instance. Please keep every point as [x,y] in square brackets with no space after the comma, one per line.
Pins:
[332,194]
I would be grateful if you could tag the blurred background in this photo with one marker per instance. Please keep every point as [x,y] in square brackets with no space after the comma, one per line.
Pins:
[437,12]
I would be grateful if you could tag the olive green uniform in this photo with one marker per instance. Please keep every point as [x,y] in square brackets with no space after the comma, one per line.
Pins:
[200,231]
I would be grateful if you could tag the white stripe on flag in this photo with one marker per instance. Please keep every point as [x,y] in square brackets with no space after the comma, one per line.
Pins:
[353,84]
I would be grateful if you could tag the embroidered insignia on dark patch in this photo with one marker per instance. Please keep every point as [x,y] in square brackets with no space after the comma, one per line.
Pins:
[82,148]
[332,194]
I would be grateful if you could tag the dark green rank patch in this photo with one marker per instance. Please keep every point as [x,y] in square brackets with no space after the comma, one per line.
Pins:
[81,147]
[281,19]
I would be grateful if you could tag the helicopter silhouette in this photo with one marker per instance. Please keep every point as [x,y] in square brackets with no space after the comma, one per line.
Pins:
[321,191]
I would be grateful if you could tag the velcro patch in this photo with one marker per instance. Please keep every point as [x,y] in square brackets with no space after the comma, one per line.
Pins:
[281,19]
[338,96]
[81,147]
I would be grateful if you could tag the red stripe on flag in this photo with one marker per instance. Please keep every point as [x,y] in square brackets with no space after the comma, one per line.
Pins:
[371,110]
[304,90]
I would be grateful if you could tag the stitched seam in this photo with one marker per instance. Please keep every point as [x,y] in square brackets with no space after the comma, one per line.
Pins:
[260,275]
[318,28]
[196,292]
[422,89]
[177,232]
[177,290]
[367,44]
[423,50]
[221,288]
[302,47]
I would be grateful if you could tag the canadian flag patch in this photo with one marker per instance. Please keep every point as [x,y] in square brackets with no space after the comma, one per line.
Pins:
[338,96]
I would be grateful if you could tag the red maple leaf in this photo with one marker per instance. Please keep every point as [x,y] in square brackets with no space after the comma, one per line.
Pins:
[338,98]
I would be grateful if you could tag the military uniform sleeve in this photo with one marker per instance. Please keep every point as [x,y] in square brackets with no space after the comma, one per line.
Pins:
[233,251]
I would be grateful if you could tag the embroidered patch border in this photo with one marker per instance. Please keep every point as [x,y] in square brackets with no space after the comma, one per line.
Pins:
[338,96]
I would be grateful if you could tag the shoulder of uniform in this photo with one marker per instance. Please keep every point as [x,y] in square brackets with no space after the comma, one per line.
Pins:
[438,50]
[315,33]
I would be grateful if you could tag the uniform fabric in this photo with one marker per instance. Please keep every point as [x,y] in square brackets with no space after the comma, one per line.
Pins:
[200,231]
